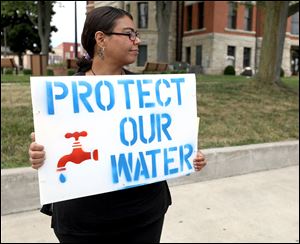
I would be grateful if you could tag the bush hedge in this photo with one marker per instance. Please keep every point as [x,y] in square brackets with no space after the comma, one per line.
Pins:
[229,70]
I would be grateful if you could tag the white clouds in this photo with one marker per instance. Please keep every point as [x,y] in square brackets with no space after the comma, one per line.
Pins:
[64,20]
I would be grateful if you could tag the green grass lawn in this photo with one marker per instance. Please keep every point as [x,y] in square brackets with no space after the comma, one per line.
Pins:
[15,78]
[232,112]
[235,112]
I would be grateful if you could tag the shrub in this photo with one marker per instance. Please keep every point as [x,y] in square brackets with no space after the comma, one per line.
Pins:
[281,72]
[50,72]
[71,72]
[229,70]
[27,71]
[8,71]
[179,71]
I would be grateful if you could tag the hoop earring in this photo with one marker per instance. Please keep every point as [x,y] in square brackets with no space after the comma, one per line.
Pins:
[101,53]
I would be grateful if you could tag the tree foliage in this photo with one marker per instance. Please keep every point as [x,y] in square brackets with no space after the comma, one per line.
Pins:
[27,25]
[21,33]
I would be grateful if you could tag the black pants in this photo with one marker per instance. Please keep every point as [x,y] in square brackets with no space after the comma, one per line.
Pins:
[147,234]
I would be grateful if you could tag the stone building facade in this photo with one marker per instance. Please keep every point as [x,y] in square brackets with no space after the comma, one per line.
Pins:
[208,34]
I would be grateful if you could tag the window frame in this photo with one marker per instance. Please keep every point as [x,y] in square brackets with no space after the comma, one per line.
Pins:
[143,17]
[248,18]
[247,60]
[232,15]
[139,60]
[199,55]
[295,24]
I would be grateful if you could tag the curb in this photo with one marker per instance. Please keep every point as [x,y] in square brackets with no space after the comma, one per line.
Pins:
[20,190]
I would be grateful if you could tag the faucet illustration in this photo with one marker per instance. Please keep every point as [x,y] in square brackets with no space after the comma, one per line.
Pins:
[77,156]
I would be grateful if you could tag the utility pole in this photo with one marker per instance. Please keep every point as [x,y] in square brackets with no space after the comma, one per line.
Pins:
[76,55]
[5,43]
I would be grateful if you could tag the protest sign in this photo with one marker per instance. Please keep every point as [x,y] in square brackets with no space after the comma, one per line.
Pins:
[108,133]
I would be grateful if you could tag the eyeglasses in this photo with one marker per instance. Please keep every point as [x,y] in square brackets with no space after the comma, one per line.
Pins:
[131,35]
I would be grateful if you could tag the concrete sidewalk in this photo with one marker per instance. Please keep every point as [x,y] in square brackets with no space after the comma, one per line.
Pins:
[257,207]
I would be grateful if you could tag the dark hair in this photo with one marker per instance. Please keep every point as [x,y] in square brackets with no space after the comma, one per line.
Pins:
[99,19]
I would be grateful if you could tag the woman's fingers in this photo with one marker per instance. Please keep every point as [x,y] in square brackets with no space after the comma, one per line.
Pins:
[32,136]
[199,161]
[36,155]
[36,147]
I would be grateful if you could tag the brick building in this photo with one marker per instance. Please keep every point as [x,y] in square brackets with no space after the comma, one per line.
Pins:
[64,51]
[208,34]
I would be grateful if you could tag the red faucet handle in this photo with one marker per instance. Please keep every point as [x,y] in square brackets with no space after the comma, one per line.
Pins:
[76,135]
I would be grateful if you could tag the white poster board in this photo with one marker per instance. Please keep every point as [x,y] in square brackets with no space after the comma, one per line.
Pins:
[108,133]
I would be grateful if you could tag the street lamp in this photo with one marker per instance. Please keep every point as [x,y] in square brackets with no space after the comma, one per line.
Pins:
[76,56]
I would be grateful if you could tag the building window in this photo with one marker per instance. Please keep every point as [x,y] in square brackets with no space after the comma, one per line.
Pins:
[231,55]
[188,55]
[295,24]
[248,18]
[143,54]
[189,17]
[71,48]
[295,60]
[128,7]
[247,57]
[199,55]
[201,15]
[232,9]
[143,15]
[67,55]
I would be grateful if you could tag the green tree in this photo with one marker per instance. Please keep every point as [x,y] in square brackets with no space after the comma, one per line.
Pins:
[21,35]
[36,16]
[275,21]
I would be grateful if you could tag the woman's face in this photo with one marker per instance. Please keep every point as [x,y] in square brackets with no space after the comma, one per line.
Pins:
[119,49]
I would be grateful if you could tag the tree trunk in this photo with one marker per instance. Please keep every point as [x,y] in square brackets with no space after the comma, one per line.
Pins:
[20,58]
[44,19]
[275,20]
[163,15]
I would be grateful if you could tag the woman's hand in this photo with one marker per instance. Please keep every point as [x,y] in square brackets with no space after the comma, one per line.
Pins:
[36,153]
[199,161]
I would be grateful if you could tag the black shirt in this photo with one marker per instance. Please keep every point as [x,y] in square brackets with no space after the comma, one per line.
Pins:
[111,212]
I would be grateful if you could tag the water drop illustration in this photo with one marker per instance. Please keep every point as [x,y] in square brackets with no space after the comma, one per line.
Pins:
[62,178]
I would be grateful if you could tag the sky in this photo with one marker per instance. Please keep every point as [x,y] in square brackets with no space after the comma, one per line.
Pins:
[64,20]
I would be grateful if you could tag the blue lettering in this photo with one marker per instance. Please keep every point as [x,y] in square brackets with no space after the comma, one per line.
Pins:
[75,98]
[152,133]
[132,167]
[49,92]
[126,91]
[153,154]
[122,131]
[111,95]
[143,94]
[178,81]
[166,125]
[82,96]
[104,95]
[168,160]
[163,126]
[122,166]
[156,126]
[141,168]
[157,91]
[184,157]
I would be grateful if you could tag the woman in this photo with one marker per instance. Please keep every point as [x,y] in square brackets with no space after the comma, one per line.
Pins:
[132,215]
